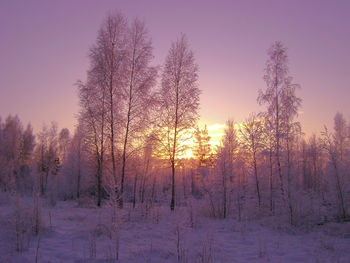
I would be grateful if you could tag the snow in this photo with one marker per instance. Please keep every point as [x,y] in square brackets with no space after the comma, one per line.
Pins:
[158,235]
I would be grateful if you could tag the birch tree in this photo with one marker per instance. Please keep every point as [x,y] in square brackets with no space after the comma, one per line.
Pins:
[92,115]
[202,147]
[281,100]
[252,141]
[225,162]
[341,135]
[46,155]
[108,61]
[137,93]
[329,144]
[178,103]
[10,152]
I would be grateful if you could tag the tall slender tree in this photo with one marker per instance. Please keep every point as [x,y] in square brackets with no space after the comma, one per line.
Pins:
[340,135]
[226,157]
[178,103]
[92,116]
[281,100]
[329,144]
[108,63]
[46,155]
[140,78]
[251,133]
[202,147]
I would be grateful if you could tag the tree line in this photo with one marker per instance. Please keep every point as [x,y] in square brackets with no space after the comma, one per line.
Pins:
[133,124]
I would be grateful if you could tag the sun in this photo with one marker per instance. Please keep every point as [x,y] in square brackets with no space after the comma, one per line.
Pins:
[215,131]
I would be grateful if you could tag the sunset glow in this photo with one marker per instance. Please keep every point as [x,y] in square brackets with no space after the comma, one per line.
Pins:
[45,46]
[174,131]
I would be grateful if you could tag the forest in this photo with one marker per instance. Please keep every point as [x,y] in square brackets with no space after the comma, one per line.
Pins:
[125,167]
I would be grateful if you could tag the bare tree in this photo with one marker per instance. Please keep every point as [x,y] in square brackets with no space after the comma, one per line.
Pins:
[108,58]
[202,153]
[202,147]
[10,152]
[46,154]
[251,133]
[341,135]
[76,159]
[178,103]
[225,162]
[140,78]
[92,119]
[329,144]
[146,167]
[269,146]
[63,143]
[281,100]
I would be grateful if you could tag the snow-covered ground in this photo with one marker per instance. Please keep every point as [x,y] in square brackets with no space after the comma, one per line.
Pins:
[73,233]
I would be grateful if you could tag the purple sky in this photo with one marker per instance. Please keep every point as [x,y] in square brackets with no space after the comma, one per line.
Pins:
[44,47]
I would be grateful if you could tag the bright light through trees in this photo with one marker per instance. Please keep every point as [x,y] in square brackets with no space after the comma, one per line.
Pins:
[139,148]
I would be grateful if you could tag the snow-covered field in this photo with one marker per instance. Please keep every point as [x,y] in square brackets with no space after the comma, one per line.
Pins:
[82,233]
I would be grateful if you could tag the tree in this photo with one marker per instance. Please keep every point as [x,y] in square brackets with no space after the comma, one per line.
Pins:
[341,135]
[269,146]
[281,100]
[78,146]
[226,155]
[92,120]
[46,155]
[178,103]
[202,146]
[252,141]
[108,61]
[140,78]
[28,143]
[329,144]
[11,145]
[202,154]
[63,143]
[73,169]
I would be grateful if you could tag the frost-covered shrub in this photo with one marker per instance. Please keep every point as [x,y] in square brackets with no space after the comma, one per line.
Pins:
[21,223]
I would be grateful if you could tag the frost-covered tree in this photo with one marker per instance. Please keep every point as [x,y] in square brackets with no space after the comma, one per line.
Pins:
[178,103]
[63,144]
[28,144]
[251,139]
[202,147]
[10,152]
[341,135]
[76,168]
[140,78]
[108,71]
[281,100]
[227,154]
[329,144]
[46,155]
[16,148]
[93,123]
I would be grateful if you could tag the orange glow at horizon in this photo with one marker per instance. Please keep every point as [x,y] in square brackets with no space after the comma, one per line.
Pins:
[215,131]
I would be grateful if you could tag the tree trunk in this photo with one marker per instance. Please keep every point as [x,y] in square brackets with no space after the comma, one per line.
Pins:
[172,203]
[256,179]
[277,137]
[79,172]
[127,129]
[290,204]
[134,191]
[271,183]
[99,185]
[114,169]
[340,192]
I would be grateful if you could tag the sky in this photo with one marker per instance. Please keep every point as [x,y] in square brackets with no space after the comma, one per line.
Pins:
[44,47]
